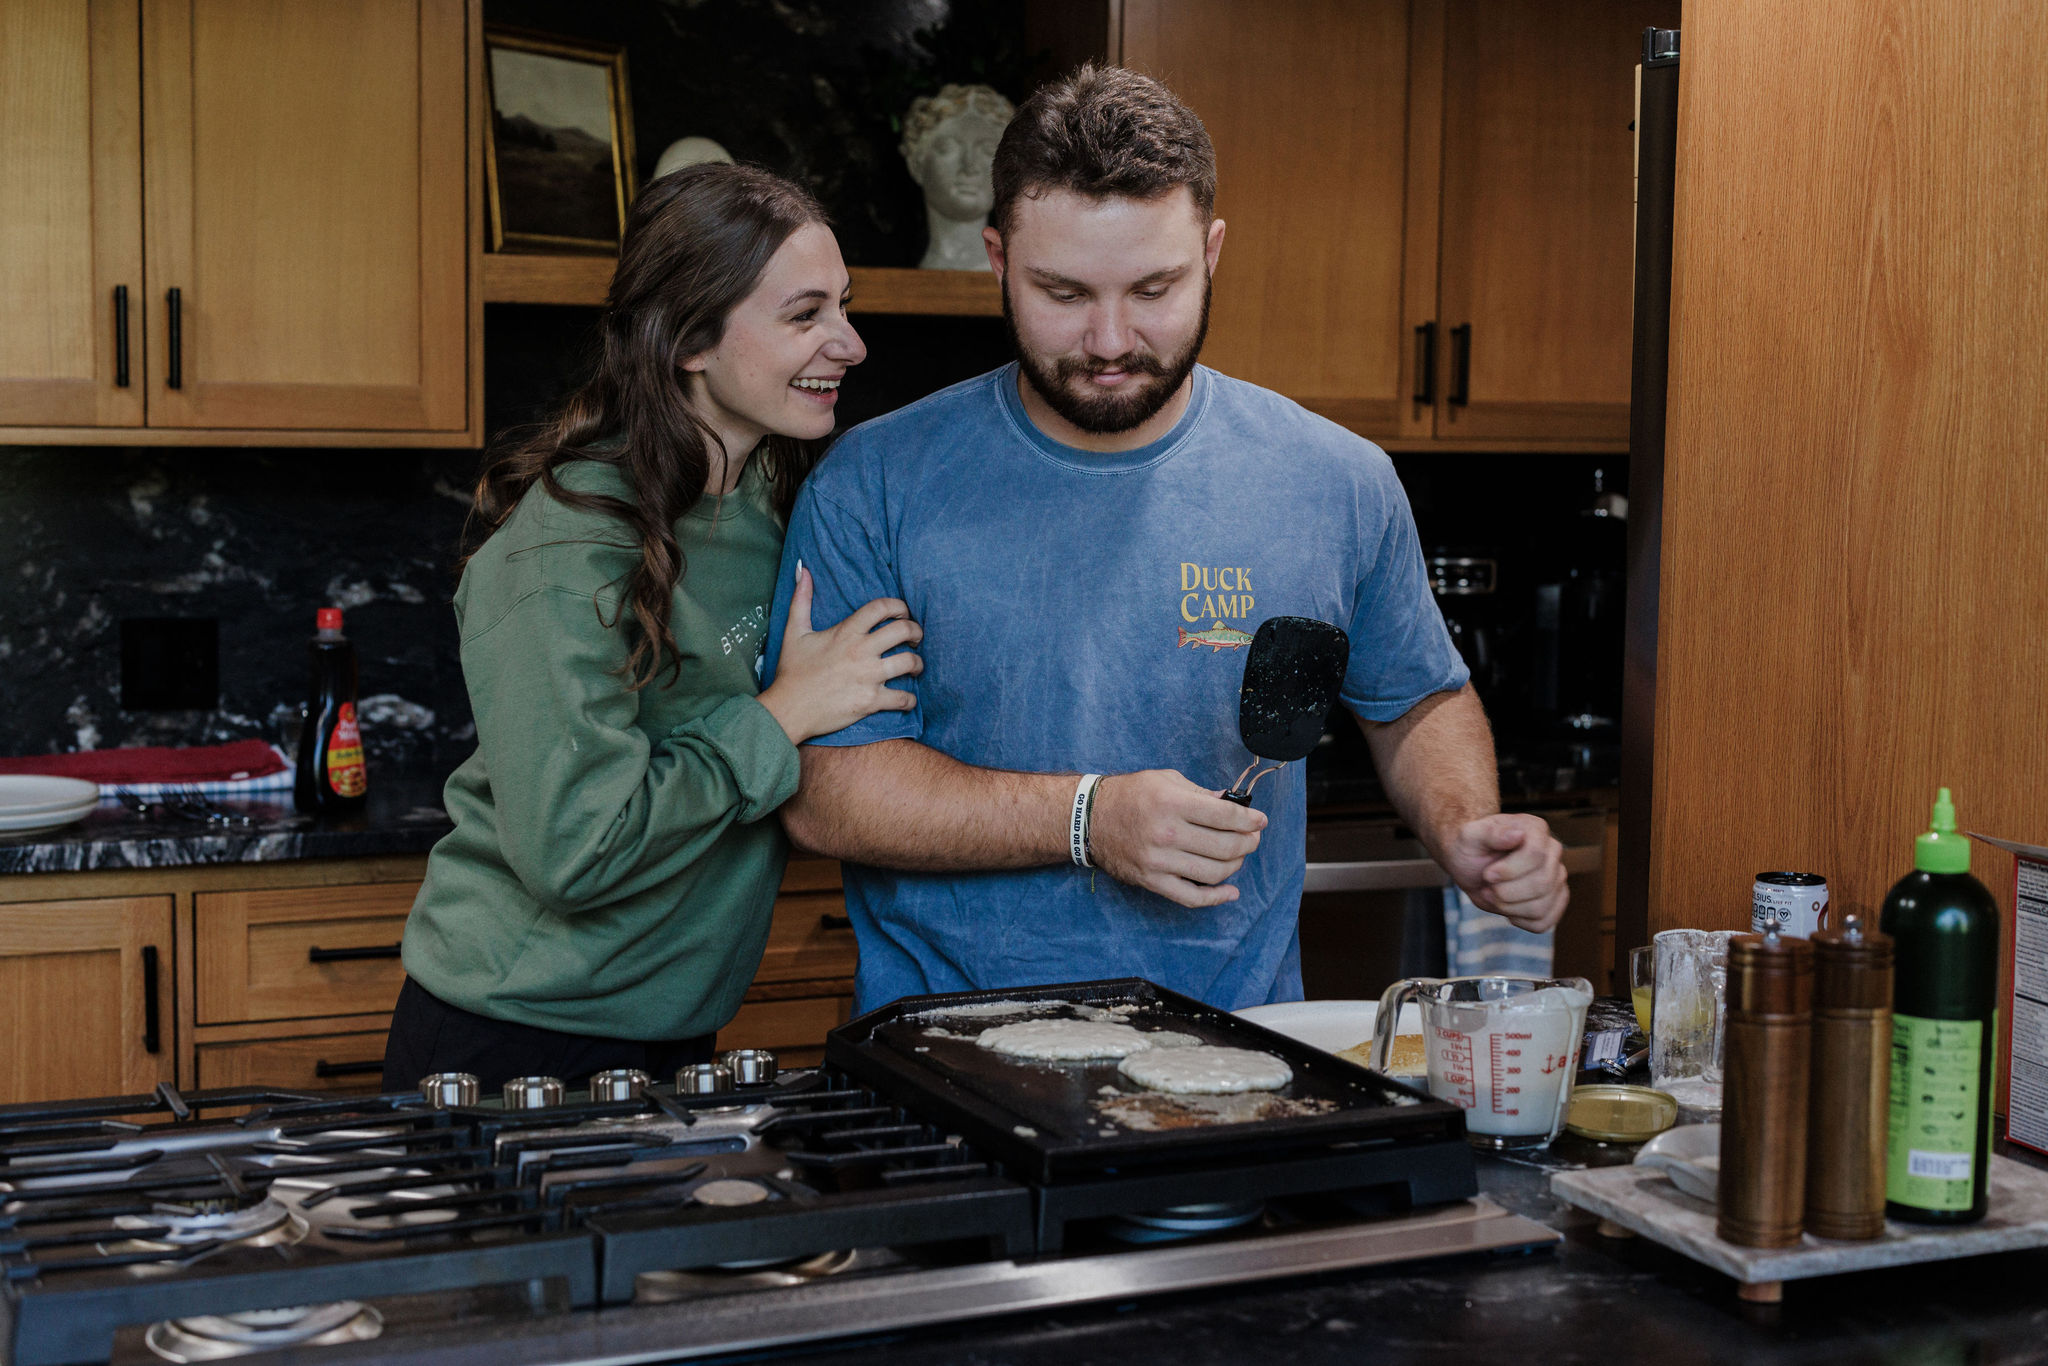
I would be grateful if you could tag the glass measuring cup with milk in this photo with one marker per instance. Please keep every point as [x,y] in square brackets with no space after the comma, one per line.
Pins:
[1503,1049]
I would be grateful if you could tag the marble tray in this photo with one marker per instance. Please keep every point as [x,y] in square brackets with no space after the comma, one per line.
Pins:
[1643,1200]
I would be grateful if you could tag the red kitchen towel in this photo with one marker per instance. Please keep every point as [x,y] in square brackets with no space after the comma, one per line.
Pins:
[199,764]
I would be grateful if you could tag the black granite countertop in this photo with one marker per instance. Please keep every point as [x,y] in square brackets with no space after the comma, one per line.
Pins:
[1591,1299]
[403,816]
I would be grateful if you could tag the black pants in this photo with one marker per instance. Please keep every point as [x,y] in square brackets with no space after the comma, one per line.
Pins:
[428,1035]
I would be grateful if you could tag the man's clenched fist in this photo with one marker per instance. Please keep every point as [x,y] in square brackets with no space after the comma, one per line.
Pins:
[1512,866]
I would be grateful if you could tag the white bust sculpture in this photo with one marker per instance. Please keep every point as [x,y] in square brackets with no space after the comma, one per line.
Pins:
[949,140]
[689,152]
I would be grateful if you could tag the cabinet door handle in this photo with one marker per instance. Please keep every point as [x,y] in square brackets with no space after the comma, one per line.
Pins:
[1425,363]
[324,1068]
[120,336]
[317,955]
[174,373]
[1461,365]
[152,1036]
[829,921]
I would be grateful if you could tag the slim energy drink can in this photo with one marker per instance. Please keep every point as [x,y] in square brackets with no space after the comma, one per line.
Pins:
[1795,904]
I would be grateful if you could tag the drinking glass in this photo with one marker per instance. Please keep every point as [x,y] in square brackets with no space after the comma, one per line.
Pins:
[1687,1016]
[1642,974]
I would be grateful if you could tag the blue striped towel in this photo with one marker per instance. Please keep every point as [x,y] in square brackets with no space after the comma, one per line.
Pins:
[1481,944]
[281,781]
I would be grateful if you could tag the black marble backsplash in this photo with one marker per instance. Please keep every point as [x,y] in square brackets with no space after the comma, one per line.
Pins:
[254,539]
[258,539]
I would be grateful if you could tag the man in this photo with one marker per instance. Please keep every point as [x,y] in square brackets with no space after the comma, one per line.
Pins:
[1089,537]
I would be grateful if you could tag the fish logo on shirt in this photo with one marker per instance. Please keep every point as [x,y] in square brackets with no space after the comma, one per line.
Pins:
[1218,638]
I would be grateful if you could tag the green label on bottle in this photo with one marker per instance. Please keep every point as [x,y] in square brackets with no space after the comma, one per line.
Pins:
[1936,1066]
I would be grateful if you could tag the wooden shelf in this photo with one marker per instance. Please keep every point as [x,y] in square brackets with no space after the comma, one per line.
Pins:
[1424,445]
[582,280]
[951,293]
[532,279]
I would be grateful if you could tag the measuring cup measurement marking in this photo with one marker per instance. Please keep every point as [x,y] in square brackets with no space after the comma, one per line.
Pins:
[1504,1069]
[1458,1066]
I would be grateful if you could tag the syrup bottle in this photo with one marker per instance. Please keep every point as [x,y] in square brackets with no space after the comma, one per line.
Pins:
[1944,928]
[331,780]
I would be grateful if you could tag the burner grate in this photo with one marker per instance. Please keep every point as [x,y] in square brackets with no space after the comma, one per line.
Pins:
[867,1150]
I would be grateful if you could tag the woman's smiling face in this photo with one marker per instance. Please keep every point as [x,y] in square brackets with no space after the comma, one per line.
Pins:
[786,346]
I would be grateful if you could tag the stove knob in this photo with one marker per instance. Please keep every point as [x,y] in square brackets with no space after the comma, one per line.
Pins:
[703,1079]
[532,1093]
[620,1083]
[751,1066]
[451,1090]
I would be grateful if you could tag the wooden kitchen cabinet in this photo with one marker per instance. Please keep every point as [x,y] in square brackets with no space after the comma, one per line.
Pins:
[299,271]
[300,952]
[1306,104]
[283,975]
[345,1061]
[233,940]
[70,213]
[1430,206]
[1537,238]
[85,998]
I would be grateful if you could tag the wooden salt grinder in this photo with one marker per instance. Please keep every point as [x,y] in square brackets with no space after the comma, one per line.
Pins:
[1764,1090]
[1850,1103]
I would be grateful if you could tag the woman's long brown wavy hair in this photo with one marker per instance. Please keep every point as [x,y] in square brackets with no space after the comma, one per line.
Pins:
[695,245]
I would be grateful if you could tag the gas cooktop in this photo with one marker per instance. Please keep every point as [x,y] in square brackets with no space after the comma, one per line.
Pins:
[630,1220]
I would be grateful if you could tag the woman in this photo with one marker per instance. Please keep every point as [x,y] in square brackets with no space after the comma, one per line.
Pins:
[604,897]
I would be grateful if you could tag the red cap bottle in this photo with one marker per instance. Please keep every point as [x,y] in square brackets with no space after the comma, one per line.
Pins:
[331,778]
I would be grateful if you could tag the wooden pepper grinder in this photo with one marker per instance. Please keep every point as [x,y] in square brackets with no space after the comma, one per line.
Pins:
[1852,1073]
[1763,1104]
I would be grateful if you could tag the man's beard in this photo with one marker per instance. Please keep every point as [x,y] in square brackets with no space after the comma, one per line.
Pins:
[1132,403]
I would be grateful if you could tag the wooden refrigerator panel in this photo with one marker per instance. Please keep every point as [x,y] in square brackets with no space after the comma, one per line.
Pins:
[70,212]
[1306,104]
[306,191]
[1852,608]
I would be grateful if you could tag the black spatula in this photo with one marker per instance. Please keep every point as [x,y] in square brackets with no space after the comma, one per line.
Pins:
[1291,676]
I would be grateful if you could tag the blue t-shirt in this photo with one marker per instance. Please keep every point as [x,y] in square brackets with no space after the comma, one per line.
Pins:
[1088,613]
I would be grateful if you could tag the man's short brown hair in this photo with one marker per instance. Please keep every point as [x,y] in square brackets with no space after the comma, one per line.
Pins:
[1103,132]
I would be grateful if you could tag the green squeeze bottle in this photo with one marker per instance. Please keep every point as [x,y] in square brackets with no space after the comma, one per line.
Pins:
[1944,1018]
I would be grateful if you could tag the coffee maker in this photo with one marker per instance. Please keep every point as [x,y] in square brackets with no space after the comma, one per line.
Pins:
[1466,586]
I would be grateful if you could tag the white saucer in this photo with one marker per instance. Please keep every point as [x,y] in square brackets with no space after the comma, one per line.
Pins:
[28,794]
[1332,1026]
[36,821]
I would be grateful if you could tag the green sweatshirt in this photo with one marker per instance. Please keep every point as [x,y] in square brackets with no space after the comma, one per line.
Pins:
[612,867]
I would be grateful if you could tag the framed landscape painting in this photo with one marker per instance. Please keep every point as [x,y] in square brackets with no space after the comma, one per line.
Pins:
[559,162]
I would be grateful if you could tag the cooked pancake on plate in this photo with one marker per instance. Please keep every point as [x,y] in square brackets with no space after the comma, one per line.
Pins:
[1406,1059]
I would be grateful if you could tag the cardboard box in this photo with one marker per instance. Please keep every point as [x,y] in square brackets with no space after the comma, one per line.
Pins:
[2026,1009]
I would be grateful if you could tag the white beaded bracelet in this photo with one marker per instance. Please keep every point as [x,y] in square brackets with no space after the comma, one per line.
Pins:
[1084,805]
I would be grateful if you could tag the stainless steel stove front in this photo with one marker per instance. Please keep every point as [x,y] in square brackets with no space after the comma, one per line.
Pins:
[696,1315]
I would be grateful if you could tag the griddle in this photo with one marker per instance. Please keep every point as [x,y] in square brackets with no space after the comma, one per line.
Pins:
[1042,1119]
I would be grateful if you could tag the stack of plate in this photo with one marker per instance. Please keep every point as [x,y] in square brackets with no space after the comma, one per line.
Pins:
[29,803]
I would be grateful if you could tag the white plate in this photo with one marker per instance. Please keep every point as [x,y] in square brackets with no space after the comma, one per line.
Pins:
[1332,1026]
[25,794]
[42,820]
[1690,1155]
